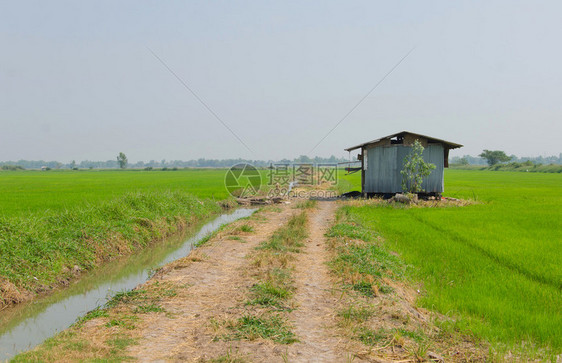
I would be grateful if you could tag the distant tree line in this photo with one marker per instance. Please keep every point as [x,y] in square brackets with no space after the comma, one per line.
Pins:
[477,160]
[121,161]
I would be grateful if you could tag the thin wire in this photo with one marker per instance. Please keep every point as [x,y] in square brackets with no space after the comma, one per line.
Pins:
[363,99]
[199,99]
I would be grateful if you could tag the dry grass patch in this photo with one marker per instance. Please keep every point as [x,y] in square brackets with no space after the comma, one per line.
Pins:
[105,333]
[229,357]
[194,256]
[270,209]
[272,327]
[10,294]
[421,203]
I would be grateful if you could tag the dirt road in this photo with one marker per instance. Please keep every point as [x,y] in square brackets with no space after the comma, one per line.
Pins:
[217,286]
[313,319]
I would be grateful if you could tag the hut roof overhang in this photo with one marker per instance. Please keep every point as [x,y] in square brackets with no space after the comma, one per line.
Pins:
[447,144]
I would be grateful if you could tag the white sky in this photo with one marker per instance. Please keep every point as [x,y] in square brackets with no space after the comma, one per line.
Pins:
[77,80]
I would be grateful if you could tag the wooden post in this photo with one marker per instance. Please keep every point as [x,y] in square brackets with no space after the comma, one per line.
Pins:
[363,172]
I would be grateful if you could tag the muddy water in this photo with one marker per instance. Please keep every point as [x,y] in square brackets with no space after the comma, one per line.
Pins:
[24,326]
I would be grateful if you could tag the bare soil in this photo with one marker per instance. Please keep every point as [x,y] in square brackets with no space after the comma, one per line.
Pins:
[315,298]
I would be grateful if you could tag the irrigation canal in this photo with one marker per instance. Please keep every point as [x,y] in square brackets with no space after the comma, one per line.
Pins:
[25,326]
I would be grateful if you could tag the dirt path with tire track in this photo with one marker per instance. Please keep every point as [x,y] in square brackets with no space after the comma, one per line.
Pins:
[315,299]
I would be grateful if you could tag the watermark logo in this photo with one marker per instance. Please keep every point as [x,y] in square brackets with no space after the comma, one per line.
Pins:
[242,180]
[303,174]
[288,180]
[304,180]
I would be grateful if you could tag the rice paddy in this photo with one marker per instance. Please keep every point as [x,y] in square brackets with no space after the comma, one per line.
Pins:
[25,192]
[495,265]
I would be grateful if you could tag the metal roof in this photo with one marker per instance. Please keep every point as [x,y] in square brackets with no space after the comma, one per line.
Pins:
[450,145]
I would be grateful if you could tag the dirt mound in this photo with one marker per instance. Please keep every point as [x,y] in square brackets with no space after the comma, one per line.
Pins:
[10,294]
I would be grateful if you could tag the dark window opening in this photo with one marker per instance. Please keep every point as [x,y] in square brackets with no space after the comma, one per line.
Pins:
[397,140]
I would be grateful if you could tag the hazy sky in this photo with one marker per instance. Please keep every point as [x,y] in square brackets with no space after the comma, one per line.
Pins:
[77,79]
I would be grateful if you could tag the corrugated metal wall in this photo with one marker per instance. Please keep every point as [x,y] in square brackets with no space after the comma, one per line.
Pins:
[382,174]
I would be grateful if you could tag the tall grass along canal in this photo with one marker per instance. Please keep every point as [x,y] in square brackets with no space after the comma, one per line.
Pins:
[24,326]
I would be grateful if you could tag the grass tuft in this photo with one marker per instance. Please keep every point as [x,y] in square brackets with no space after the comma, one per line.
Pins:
[289,238]
[356,313]
[307,204]
[272,327]
[245,228]
[369,336]
[271,293]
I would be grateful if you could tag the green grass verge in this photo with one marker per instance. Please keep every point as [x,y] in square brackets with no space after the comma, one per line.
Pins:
[360,261]
[372,313]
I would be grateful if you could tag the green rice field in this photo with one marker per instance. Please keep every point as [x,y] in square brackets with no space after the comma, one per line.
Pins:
[24,192]
[496,265]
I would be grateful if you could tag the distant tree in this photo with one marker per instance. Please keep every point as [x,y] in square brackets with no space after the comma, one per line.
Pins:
[303,159]
[463,161]
[494,157]
[415,169]
[122,160]
[73,164]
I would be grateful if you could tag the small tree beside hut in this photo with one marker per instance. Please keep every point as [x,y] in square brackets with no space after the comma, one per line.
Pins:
[415,169]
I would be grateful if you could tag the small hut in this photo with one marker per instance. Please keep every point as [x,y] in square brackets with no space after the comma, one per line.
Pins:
[382,160]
